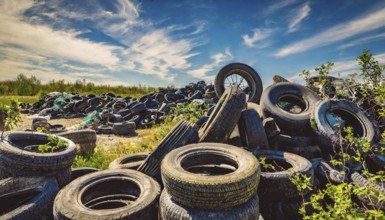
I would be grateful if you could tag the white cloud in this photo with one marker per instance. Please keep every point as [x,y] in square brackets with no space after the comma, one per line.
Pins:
[363,40]
[371,21]
[258,36]
[279,5]
[299,15]
[218,59]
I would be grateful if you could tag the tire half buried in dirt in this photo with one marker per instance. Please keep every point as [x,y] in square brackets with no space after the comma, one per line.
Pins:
[109,194]
[210,176]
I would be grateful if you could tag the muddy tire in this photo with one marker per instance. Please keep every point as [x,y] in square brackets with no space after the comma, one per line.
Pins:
[210,176]
[85,140]
[132,161]
[169,210]
[224,118]
[123,128]
[109,194]
[27,197]
[369,201]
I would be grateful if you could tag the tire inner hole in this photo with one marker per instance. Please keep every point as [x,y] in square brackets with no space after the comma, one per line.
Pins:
[13,200]
[291,104]
[110,194]
[209,164]
[344,119]
[275,165]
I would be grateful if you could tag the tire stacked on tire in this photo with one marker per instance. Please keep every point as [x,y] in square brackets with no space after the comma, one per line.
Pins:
[209,181]
[85,140]
[290,105]
[15,160]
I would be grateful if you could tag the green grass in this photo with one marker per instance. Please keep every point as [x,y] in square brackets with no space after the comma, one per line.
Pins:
[151,138]
[28,99]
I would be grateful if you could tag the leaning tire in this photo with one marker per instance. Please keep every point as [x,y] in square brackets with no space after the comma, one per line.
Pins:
[290,105]
[132,161]
[224,118]
[210,176]
[251,131]
[276,185]
[109,194]
[362,124]
[27,197]
[246,72]
[169,210]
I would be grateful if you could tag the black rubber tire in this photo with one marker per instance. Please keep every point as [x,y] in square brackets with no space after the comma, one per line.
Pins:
[305,146]
[123,128]
[277,186]
[255,106]
[169,210]
[104,129]
[132,161]
[177,137]
[187,177]
[19,162]
[109,194]
[81,171]
[289,123]
[369,201]
[271,129]
[138,108]
[251,131]
[224,117]
[375,162]
[201,121]
[27,198]
[63,177]
[329,141]
[248,73]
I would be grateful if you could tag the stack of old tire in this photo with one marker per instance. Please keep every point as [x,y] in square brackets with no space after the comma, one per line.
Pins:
[29,179]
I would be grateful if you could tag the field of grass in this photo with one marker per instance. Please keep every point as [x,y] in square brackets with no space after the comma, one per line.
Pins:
[28,99]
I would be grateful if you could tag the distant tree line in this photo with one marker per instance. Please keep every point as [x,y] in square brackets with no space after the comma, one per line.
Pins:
[32,86]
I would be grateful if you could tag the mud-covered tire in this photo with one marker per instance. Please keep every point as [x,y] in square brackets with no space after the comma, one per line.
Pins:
[18,162]
[169,210]
[325,173]
[248,73]
[27,197]
[123,128]
[177,137]
[224,118]
[210,176]
[81,171]
[276,185]
[132,161]
[293,123]
[251,131]
[362,124]
[109,194]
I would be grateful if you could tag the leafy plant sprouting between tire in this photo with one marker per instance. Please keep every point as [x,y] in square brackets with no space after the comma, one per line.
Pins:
[341,204]
[11,115]
[190,111]
[54,144]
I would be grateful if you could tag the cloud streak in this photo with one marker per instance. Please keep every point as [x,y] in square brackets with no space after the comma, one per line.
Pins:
[218,59]
[371,21]
[299,15]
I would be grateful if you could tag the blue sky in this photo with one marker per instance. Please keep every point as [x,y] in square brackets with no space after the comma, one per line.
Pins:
[164,42]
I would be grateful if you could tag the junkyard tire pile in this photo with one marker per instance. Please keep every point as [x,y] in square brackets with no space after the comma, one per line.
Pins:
[212,169]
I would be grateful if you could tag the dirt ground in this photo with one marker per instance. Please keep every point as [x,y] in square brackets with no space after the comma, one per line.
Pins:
[105,141]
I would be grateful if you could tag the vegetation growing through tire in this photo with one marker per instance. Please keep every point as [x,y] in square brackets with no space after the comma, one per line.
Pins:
[54,144]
